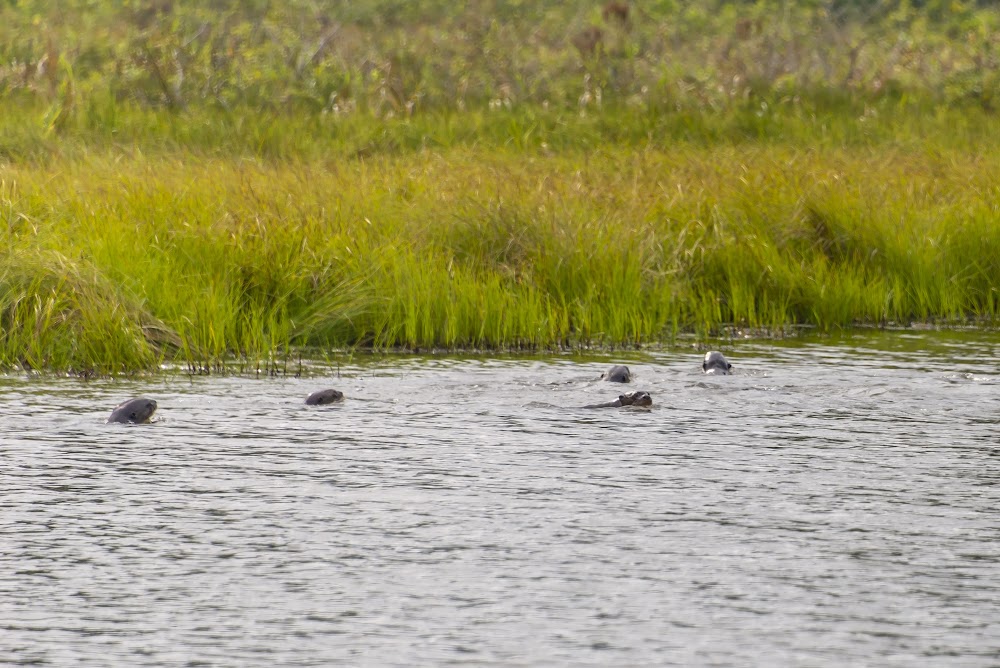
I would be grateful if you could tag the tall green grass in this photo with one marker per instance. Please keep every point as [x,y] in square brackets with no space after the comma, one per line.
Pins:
[113,261]
[199,182]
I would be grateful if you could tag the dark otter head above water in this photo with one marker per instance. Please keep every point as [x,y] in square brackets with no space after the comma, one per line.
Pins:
[638,399]
[617,374]
[322,397]
[716,363]
[135,411]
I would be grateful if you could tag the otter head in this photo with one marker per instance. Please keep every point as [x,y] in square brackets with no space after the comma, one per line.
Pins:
[636,399]
[716,363]
[135,411]
[618,374]
[322,397]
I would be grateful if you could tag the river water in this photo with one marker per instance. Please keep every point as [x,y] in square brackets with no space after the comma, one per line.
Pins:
[835,502]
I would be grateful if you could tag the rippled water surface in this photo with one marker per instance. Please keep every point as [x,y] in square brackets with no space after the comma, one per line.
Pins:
[835,502]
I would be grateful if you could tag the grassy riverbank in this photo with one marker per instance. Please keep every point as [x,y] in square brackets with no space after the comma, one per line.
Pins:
[183,189]
[113,258]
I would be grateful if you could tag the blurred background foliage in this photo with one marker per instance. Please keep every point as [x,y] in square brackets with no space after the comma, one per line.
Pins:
[397,58]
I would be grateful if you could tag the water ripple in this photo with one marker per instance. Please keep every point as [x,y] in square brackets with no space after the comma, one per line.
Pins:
[832,503]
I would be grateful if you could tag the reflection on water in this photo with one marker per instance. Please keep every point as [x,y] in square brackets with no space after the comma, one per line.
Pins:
[834,503]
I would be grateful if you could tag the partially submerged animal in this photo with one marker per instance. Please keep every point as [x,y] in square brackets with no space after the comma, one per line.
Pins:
[639,399]
[135,411]
[617,374]
[716,364]
[322,397]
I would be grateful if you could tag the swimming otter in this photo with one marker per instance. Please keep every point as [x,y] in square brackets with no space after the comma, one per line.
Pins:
[716,364]
[135,411]
[618,374]
[322,397]
[639,399]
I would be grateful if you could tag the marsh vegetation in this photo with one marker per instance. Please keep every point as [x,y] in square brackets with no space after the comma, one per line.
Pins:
[202,182]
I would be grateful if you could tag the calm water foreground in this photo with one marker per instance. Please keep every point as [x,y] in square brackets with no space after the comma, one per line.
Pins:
[837,502]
